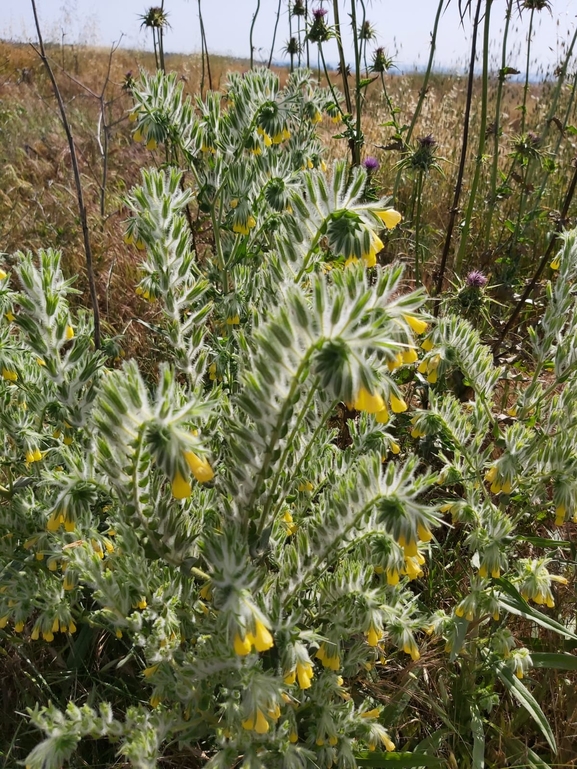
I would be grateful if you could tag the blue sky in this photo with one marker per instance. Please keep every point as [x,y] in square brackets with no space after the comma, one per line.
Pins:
[403,27]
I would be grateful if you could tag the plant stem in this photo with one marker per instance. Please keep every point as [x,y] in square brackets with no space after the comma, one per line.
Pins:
[274,33]
[342,61]
[423,91]
[464,145]
[418,225]
[77,181]
[358,139]
[497,126]
[204,51]
[482,139]
[527,65]
[255,14]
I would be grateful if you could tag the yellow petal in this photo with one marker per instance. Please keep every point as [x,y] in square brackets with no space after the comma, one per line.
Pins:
[419,326]
[200,468]
[69,332]
[242,646]
[410,356]
[366,401]
[263,639]
[398,405]
[181,488]
[389,217]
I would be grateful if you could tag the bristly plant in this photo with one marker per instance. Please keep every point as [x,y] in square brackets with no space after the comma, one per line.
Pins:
[258,554]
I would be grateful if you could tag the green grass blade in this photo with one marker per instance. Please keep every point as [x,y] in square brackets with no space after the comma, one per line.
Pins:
[514,603]
[526,700]
[558,661]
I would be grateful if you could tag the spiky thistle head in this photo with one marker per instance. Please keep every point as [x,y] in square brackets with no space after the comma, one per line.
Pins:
[381,62]
[155,18]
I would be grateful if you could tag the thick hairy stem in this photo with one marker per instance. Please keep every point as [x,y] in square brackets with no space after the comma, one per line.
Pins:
[77,181]
[464,146]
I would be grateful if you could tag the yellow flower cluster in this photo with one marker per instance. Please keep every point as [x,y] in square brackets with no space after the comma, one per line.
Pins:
[33,455]
[329,656]
[261,640]
[498,484]
[258,722]
[303,672]
[244,229]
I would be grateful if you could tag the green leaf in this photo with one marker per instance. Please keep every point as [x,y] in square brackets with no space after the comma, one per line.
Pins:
[557,661]
[514,603]
[543,541]
[478,737]
[525,699]
[398,759]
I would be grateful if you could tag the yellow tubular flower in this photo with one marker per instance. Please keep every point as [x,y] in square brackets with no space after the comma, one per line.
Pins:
[3,275]
[392,577]
[389,217]
[419,326]
[305,674]
[200,468]
[69,333]
[373,636]
[138,137]
[396,362]
[560,512]
[410,356]
[10,317]
[242,646]
[389,744]
[556,263]
[382,416]
[290,678]
[398,405]
[181,488]
[427,345]
[262,638]
[370,259]
[366,401]
[293,737]
[394,447]
[424,533]
[151,144]
[9,375]
[412,649]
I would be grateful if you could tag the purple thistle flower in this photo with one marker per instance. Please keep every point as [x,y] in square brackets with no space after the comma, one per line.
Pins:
[320,13]
[371,164]
[476,279]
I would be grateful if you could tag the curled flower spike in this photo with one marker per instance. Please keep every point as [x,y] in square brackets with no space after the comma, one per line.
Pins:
[366,401]
[389,217]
